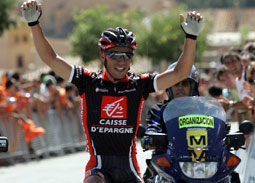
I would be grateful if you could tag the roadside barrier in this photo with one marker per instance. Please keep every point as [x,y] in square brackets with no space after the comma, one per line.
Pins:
[17,145]
[247,165]
[61,137]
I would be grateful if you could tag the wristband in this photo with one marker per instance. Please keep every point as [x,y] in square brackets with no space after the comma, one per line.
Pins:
[191,36]
[33,23]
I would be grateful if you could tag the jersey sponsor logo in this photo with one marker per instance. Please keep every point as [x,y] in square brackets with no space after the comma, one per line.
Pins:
[114,107]
[103,90]
[112,126]
[196,120]
[79,71]
[127,91]
[86,72]
[114,122]
[145,75]
[111,129]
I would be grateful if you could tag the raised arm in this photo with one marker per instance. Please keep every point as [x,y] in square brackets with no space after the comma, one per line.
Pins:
[32,12]
[191,28]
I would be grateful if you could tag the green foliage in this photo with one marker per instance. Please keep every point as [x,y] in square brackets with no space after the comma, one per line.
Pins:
[217,3]
[244,31]
[164,39]
[5,20]
[91,23]
[159,37]
[201,44]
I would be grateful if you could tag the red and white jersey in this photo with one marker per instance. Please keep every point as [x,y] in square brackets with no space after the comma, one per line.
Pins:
[111,112]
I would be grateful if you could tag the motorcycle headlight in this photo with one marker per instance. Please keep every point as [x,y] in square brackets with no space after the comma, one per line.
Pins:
[199,170]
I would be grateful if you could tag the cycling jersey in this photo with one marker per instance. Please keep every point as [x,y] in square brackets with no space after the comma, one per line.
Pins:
[111,112]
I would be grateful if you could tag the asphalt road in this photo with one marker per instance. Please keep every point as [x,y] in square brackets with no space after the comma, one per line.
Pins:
[63,169]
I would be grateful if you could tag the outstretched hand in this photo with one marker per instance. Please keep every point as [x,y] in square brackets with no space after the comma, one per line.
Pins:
[31,12]
[192,25]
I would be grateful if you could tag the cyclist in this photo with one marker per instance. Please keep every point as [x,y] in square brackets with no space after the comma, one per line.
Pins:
[111,100]
[155,121]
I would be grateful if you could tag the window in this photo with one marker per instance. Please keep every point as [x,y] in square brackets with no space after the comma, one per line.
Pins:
[25,38]
[16,39]
[20,62]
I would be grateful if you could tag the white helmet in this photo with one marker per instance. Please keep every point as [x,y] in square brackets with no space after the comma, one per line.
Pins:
[194,78]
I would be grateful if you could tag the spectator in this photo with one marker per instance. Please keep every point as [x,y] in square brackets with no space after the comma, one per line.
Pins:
[247,58]
[14,107]
[204,84]
[227,81]
[54,98]
[233,62]
[249,47]
[215,91]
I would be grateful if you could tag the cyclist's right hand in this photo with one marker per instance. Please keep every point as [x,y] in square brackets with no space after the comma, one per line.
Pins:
[31,12]
[192,25]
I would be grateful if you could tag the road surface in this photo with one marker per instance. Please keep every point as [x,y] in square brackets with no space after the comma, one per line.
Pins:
[63,169]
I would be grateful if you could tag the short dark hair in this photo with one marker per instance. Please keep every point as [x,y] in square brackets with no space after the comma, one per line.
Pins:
[230,54]
[250,47]
[69,87]
[49,83]
[11,82]
[215,91]
[221,71]
[16,76]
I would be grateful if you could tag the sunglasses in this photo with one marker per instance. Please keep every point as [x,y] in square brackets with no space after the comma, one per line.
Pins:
[117,55]
[184,83]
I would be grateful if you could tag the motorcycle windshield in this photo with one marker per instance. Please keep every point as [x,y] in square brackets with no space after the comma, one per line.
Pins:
[195,127]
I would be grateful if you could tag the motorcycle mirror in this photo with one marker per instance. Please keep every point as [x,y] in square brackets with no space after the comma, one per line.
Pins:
[227,127]
[140,131]
[235,140]
[3,144]
[158,139]
[246,127]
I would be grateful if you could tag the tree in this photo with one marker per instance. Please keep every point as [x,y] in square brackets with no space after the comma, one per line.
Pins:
[159,37]
[164,39]
[217,3]
[91,23]
[5,20]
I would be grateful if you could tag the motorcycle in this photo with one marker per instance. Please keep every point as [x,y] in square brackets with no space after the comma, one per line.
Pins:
[198,143]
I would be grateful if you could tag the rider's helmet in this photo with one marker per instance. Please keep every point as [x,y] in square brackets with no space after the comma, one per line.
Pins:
[117,37]
[194,82]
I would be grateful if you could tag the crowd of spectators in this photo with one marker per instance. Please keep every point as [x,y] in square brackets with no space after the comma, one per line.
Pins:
[19,99]
[232,83]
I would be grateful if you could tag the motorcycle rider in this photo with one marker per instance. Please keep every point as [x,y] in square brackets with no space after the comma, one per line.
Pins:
[111,100]
[186,87]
